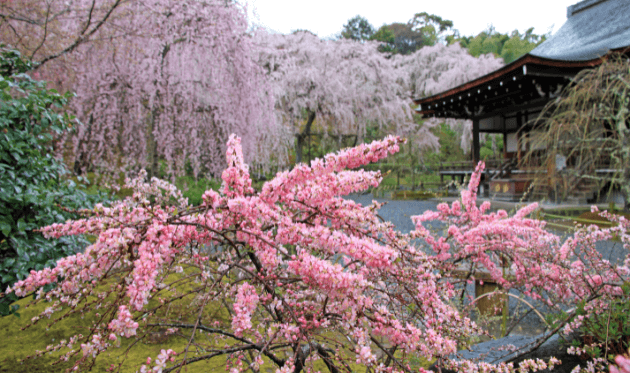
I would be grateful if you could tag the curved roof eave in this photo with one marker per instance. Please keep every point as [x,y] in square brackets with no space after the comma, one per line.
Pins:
[515,65]
[593,29]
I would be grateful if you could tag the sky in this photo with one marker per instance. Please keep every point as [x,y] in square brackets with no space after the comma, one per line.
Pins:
[327,17]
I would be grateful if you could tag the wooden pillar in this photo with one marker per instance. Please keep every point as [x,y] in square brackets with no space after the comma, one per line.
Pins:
[520,136]
[475,141]
[504,131]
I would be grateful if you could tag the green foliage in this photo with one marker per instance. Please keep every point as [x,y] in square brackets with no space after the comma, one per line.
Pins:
[405,38]
[487,151]
[32,183]
[430,26]
[509,47]
[357,28]
[450,149]
[607,333]
[194,189]
[387,39]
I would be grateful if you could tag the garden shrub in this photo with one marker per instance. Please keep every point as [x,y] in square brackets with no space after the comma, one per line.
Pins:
[32,181]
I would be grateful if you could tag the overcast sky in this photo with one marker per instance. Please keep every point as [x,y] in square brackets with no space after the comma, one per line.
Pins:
[326,17]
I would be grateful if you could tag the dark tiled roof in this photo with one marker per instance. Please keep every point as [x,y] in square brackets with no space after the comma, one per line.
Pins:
[592,29]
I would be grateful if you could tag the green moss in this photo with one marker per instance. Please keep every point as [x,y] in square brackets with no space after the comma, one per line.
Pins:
[194,189]
[416,195]
[17,344]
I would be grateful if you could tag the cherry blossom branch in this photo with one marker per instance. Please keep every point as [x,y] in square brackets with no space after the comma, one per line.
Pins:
[83,37]
[257,347]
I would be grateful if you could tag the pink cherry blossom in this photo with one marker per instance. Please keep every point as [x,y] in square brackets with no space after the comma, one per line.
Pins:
[305,274]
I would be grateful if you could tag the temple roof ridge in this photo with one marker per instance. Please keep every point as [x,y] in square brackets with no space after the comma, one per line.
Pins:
[592,29]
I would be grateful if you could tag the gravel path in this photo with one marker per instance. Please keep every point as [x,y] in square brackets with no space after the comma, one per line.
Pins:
[397,212]
[400,212]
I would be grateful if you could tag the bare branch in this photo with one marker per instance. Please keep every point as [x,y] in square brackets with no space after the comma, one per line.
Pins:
[84,37]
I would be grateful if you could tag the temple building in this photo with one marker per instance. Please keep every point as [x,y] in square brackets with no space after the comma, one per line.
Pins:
[508,100]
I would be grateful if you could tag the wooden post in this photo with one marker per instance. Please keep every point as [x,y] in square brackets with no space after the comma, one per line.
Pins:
[486,183]
[475,141]
[519,136]
[487,305]
[504,129]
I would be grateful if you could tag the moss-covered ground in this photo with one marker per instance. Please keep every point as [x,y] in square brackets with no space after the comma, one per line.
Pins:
[18,344]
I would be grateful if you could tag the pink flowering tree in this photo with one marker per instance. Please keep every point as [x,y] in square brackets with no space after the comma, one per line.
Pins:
[434,69]
[155,80]
[47,31]
[622,364]
[341,86]
[173,88]
[296,275]
[438,68]
[571,278]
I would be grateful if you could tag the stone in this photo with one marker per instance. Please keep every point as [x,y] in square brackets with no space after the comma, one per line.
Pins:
[490,352]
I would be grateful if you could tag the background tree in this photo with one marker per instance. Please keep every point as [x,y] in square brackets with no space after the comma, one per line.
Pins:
[161,81]
[432,27]
[509,47]
[437,68]
[344,85]
[405,38]
[45,31]
[586,129]
[386,38]
[173,89]
[32,182]
[357,28]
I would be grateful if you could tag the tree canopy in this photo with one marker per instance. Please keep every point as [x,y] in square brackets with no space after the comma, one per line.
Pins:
[357,28]
[423,29]
[343,84]
[45,32]
[432,27]
[161,80]
[509,47]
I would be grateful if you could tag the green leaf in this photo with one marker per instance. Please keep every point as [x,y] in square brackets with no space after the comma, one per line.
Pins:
[5,228]
[21,225]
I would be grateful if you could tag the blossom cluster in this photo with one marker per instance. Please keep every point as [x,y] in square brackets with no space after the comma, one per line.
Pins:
[305,274]
[246,303]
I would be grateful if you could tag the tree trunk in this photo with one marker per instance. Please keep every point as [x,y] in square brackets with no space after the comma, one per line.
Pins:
[81,163]
[152,163]
[301,138]
[152,158]
[625,190]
